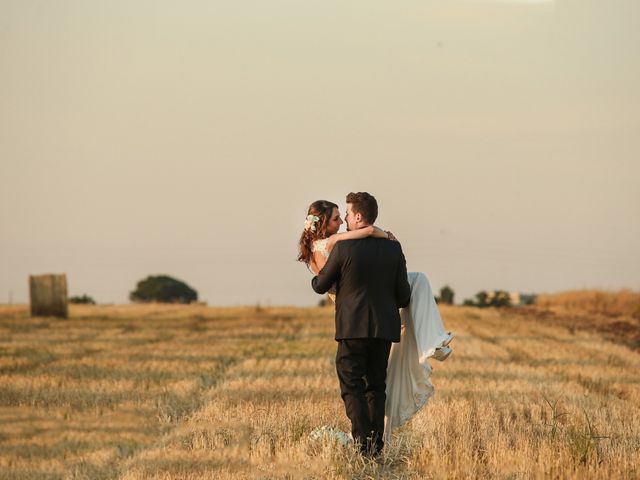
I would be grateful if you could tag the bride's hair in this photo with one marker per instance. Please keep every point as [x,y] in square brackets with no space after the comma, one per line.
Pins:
[323,209]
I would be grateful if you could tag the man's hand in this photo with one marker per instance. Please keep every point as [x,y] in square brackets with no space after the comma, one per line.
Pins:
[391,236]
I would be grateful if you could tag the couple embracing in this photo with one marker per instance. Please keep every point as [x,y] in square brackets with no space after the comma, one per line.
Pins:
[387,322]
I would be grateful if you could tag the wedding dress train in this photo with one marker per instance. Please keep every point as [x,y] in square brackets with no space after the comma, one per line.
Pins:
[409,385]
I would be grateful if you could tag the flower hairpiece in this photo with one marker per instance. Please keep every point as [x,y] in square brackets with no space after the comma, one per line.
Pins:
[310,222]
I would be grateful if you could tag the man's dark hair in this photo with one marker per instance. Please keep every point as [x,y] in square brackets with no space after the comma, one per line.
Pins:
[365,205]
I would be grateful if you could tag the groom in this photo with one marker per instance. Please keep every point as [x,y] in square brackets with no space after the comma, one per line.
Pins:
[371,285]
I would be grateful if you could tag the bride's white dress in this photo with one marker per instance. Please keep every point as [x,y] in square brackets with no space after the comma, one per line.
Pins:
[408,371]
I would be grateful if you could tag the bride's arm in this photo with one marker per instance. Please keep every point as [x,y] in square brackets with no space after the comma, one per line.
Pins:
[370,231]
[318,262]
[319,259]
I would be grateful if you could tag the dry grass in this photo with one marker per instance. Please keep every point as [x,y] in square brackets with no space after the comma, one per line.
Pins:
[613,315]
[614,304]
[189,392]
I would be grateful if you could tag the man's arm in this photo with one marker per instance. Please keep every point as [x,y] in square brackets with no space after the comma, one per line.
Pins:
[403,289]
[326,277]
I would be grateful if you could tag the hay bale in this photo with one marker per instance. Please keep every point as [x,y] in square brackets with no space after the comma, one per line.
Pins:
[48,295]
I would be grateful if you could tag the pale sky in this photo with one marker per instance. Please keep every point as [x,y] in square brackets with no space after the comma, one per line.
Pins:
[501,139]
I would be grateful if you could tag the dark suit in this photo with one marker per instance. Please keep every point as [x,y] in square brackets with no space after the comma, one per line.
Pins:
[371,285]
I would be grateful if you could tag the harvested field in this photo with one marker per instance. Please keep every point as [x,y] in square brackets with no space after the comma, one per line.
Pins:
[168,392]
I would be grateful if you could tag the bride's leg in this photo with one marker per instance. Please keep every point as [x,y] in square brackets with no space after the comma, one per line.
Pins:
[427,322]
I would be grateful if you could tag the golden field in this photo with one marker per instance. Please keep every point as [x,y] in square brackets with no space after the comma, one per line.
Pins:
[598,302]
[189,392]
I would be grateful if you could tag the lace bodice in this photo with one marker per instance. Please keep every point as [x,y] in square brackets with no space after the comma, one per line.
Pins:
[321,246]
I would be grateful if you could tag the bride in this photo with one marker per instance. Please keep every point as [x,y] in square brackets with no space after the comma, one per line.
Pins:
[422,333]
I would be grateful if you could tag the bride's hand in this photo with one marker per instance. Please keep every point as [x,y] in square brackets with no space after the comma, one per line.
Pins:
[391,236]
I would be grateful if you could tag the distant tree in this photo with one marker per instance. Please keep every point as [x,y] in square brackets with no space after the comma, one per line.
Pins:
[446,295]
[497,298]
[500,298]
[481,299]
[85,299]
[326,301]
[163,289]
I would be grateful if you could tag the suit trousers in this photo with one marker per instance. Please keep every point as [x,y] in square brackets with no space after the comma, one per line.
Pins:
[361,364]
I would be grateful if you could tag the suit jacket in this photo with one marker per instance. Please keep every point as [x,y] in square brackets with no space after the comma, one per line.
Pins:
[371,285]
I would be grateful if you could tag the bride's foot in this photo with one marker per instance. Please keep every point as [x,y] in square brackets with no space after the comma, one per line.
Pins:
[442,353]
[447,340]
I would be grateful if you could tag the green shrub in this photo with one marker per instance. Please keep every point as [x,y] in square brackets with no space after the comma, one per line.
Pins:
[163,289]
[85,299]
